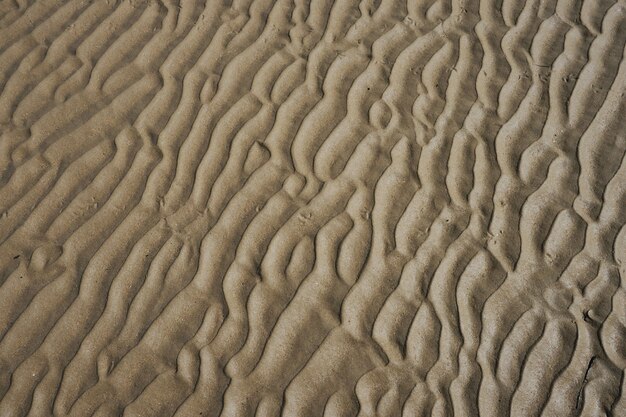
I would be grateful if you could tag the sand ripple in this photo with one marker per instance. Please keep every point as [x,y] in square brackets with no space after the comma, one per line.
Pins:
[312,208]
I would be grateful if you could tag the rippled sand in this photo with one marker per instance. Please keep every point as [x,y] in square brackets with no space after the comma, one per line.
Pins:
[312,208]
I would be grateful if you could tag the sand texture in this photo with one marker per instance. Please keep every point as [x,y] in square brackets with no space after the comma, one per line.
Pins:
[323,208]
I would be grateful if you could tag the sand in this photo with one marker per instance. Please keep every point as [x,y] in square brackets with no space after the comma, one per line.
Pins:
[312,208]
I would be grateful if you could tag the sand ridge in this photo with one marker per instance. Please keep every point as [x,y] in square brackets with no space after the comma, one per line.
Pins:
[312,208]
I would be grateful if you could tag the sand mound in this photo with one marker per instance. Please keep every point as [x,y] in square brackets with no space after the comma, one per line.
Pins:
[312,208]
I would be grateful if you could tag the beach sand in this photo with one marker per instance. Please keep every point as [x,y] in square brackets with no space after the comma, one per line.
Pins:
[312,208]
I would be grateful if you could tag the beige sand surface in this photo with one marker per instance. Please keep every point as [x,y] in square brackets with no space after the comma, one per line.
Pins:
[312,208]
